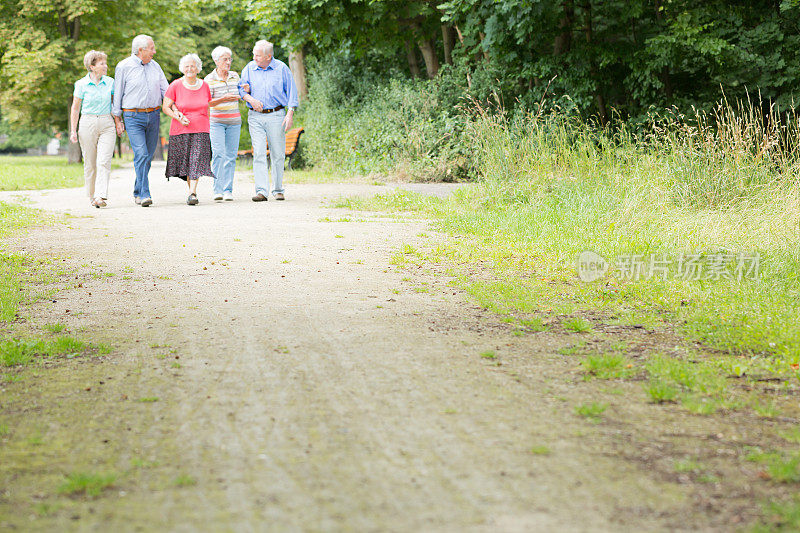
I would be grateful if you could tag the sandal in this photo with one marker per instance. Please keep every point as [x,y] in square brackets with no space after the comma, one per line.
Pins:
[98,203]
[192,200]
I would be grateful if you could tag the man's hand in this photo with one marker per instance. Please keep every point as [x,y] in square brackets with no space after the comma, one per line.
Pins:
[119,125]
[246,87]
[288,120]
[257,105]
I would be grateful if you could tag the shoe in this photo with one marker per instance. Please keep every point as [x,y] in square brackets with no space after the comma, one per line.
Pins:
[280,196]
[137,200]
[228,197]
[217,196]
[98,203]
[259,198]
[147,202]
[192,200]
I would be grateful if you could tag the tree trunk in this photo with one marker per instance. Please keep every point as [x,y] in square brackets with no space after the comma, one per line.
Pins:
[447,41]
[484,50]
[73,149]
[665,77]
[159,153]
[297,64]
[563,40]
[598,93]
[429,55]
[413,64]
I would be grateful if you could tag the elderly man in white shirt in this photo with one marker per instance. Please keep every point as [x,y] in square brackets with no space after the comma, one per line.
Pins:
[139,87]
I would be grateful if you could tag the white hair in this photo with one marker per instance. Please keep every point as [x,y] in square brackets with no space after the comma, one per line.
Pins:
[92,57]
[264,45]
[220,51]
[139,42]
[185,60]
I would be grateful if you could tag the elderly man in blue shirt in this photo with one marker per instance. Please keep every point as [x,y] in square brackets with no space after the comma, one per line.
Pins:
[271,100]
[139,87]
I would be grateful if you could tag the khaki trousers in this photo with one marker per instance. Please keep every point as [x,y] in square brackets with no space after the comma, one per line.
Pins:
[97,136]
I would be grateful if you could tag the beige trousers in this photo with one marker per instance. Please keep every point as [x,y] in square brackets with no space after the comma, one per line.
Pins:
[97,136]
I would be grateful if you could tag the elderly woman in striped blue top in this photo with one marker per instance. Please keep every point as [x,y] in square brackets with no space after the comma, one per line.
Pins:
[226,122]
[91,100]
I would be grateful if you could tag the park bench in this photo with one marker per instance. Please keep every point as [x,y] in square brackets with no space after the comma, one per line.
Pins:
[292,146]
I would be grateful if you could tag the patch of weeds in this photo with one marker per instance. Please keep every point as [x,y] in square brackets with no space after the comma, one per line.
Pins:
[697,385]
[17,352]
[572,349]
[660,391]
[781,516]
[148,399]
[688,465]
[339,236]
[540,450]
[175,365]
[449,411]
[282,349]
[578,325]
[792,435]
[286,261]
[778,467]
[86,483]
[184,480]
[395,291]
[489,354]
[4,431]
[127,277]
[421,289]
[591,411]
[128,270]
[163,277]
[766,410]
[607,366]
[533,324]
[136,462]
[46,509]
[54,328]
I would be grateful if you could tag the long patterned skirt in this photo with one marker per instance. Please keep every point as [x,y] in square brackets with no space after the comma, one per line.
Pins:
[189,156]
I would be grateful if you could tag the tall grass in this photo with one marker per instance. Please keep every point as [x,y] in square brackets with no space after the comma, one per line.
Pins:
[553,186]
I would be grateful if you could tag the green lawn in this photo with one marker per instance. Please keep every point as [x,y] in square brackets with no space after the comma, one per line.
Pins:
[20,173]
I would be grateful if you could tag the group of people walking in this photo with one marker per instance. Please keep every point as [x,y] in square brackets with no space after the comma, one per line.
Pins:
[206,122]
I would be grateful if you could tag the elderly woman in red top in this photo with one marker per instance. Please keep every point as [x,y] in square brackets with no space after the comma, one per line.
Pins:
[186,101]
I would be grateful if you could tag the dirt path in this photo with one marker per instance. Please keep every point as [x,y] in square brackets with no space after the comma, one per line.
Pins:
[265,376]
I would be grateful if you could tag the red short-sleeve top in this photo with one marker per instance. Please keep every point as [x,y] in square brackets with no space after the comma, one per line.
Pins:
[191,102]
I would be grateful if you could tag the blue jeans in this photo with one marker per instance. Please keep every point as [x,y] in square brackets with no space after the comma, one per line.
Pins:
[142,131]
[268,128]
[224,145]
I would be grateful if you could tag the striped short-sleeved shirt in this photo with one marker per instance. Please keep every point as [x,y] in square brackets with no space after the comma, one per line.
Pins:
[226,112]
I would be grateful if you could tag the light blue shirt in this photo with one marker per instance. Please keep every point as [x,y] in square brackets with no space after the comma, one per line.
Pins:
[95,97]
[138,85]
[272,86]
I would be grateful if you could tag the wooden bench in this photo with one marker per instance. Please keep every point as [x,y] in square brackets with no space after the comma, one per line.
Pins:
[292,146]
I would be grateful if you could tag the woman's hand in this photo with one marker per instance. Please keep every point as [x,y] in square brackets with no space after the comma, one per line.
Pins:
[183,119]
[73,137]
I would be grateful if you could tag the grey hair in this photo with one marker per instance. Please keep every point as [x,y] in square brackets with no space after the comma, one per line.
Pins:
[92,57]
[220,51]
[139,42]
[190,57]
[264,45]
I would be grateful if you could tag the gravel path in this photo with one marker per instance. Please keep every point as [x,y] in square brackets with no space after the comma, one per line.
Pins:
[314,388]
